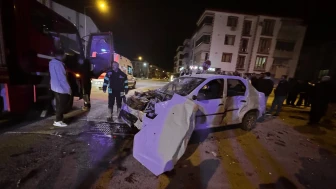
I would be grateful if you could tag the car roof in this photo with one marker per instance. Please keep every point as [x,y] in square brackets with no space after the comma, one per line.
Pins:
[213,76]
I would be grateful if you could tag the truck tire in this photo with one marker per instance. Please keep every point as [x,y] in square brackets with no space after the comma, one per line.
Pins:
[249,121]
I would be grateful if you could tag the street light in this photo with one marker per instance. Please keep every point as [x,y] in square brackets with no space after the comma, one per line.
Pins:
[101,5]
[140,58]
[145,64]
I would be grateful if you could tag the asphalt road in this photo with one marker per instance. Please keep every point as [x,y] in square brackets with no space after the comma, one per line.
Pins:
[280,152]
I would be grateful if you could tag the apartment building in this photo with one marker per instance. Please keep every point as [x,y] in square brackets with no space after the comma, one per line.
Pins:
[247,43]
[178,59]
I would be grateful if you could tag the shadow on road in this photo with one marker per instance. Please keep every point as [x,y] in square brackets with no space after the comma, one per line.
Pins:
[200,136]
[107,159]
[318,173]
[189,176]
[281,183]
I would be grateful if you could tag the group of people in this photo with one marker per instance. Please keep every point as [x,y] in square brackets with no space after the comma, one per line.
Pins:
[318,96]
[115,83]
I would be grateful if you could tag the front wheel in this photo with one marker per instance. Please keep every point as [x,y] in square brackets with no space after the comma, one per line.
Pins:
[249,121]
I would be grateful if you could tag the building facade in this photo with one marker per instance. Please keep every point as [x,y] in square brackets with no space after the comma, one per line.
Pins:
[178,59]
[78,19]
[248,43]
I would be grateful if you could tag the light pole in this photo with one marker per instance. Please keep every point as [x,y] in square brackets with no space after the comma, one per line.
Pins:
[102,6]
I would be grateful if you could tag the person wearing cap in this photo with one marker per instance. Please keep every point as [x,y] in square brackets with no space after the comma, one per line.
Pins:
[116,83]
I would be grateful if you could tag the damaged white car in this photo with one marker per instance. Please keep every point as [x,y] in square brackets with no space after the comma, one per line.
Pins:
[167,117]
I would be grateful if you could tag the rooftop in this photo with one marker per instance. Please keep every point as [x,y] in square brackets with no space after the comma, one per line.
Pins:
[208,12]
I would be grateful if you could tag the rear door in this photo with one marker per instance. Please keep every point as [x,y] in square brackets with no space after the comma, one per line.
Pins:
[100,52]
[236,100]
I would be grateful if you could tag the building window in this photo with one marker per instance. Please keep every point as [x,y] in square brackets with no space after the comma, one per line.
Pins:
[181,56]
[243,45]
[260,63]
[247,27]
[229,39]
[206,56]
[204,39]
[180,62]
[241,62]
[226,57]
[285,46]
[232,21]
[264,45]
[268,27]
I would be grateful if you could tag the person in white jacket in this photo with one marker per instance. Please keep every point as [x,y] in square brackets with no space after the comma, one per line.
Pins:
[60,86]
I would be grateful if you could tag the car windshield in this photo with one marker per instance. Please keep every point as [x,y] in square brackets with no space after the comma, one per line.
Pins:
[182,86]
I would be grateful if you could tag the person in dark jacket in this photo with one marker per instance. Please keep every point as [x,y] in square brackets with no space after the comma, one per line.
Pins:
[292,94]
[280,95]
[320,99]
[254,81]
[116,83]
[265,85]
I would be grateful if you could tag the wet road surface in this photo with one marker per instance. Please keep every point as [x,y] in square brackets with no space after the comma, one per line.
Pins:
[280,153]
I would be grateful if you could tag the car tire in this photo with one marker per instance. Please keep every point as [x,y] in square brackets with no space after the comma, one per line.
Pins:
[249,121]
[134,85]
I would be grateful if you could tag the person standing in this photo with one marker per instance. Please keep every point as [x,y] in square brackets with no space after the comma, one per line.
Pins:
[265,85]
[116,83]
[86,80]
[280,95]
[60,86]
[321,97]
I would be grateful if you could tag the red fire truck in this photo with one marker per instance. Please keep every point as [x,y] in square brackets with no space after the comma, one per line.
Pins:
[29,34]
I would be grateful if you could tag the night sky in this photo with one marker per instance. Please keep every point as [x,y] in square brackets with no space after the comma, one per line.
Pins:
[154,29]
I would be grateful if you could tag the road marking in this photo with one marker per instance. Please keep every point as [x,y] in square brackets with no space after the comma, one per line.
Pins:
[235,173]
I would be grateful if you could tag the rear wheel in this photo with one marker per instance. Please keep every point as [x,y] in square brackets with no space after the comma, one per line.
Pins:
[249,121]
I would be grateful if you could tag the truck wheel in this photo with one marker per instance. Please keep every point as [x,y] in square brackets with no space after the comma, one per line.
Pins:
[249,121]
[68,107]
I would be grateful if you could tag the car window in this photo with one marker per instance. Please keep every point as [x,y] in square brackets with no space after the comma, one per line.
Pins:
[212,90]
[182,86]
[235,87]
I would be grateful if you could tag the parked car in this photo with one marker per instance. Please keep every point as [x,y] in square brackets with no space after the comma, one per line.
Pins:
[222,100]
[98,83]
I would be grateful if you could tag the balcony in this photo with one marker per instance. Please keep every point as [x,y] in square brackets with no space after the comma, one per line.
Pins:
[204,29]
[283,54]
[202,47]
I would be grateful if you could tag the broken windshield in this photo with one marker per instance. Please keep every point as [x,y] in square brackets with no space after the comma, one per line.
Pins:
[182,86]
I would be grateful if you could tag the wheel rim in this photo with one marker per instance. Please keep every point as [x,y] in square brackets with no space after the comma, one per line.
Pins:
[250,121]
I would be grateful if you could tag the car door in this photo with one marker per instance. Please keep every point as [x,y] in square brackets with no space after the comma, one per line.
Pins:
[100,52]
[236,100]
[211,104]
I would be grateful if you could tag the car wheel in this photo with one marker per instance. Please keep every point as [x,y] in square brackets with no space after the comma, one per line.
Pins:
[249,121]
[134,85]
